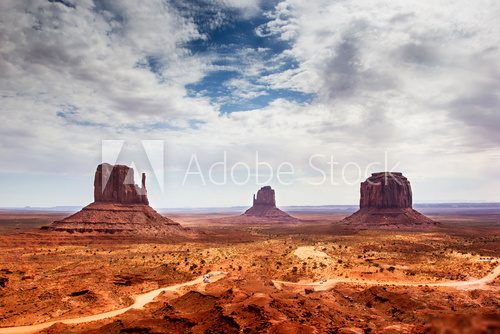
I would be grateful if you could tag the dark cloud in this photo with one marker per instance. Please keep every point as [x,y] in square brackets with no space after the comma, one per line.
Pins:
[420,54]
[342,73]
[345,75]
[402,17]
[481,112]
[67,3]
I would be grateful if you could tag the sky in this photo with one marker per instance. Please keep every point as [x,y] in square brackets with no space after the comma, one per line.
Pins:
[307,96]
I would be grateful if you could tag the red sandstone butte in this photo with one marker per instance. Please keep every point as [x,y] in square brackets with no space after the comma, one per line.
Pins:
[120,206]
[264,206]
[119,186]
[386,202]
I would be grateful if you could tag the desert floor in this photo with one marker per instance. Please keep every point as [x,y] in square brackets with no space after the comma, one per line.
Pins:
[315,276]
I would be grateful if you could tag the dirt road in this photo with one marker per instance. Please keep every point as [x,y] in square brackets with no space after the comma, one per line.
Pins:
[330,283]
[140,302]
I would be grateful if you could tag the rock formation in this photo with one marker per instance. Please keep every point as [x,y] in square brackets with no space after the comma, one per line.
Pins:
[265,197]
[386,201]
[264,206]
[386,190]
[119,186]
[120,206]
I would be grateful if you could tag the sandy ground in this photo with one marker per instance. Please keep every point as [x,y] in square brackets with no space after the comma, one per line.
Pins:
[305,252]
[307,277]
[308,252]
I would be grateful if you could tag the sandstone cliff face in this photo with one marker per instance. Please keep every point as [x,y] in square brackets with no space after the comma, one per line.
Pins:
[115,184]
[386,190]
[265,196]
[386,202]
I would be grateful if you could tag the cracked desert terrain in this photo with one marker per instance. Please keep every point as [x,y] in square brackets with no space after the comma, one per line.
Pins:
[314,275]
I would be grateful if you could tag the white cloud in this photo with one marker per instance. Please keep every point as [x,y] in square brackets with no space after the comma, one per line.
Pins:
[397,59]
[248,8]
[72,74]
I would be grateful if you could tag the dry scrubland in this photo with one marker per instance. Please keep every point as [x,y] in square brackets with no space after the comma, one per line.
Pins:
[50,276]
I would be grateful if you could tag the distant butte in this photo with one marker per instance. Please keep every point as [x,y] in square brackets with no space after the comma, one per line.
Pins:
[120,206]
[386,201]
[264,206]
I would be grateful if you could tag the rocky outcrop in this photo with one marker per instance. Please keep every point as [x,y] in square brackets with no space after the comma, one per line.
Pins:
[386,202]
[265,196]
[117,218]
[386,190]
[120,206]
[115,184]
[264,206]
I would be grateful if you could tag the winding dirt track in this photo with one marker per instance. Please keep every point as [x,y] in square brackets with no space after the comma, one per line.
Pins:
[140,301]
[143,299]
[328,284]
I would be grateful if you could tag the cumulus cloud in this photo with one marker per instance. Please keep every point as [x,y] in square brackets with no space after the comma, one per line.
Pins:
[97,68]
[391,57]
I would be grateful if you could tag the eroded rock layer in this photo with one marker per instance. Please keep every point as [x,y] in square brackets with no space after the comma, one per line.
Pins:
[389,218]
[386,202]
[117,218]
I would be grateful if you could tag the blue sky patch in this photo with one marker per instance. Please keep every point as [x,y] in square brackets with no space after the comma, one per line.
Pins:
[153,64]
[241,59]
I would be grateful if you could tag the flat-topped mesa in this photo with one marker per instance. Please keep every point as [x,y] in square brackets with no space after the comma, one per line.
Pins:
[265,197]
[264,206]
[386,190]
[386,202]
[115,184]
